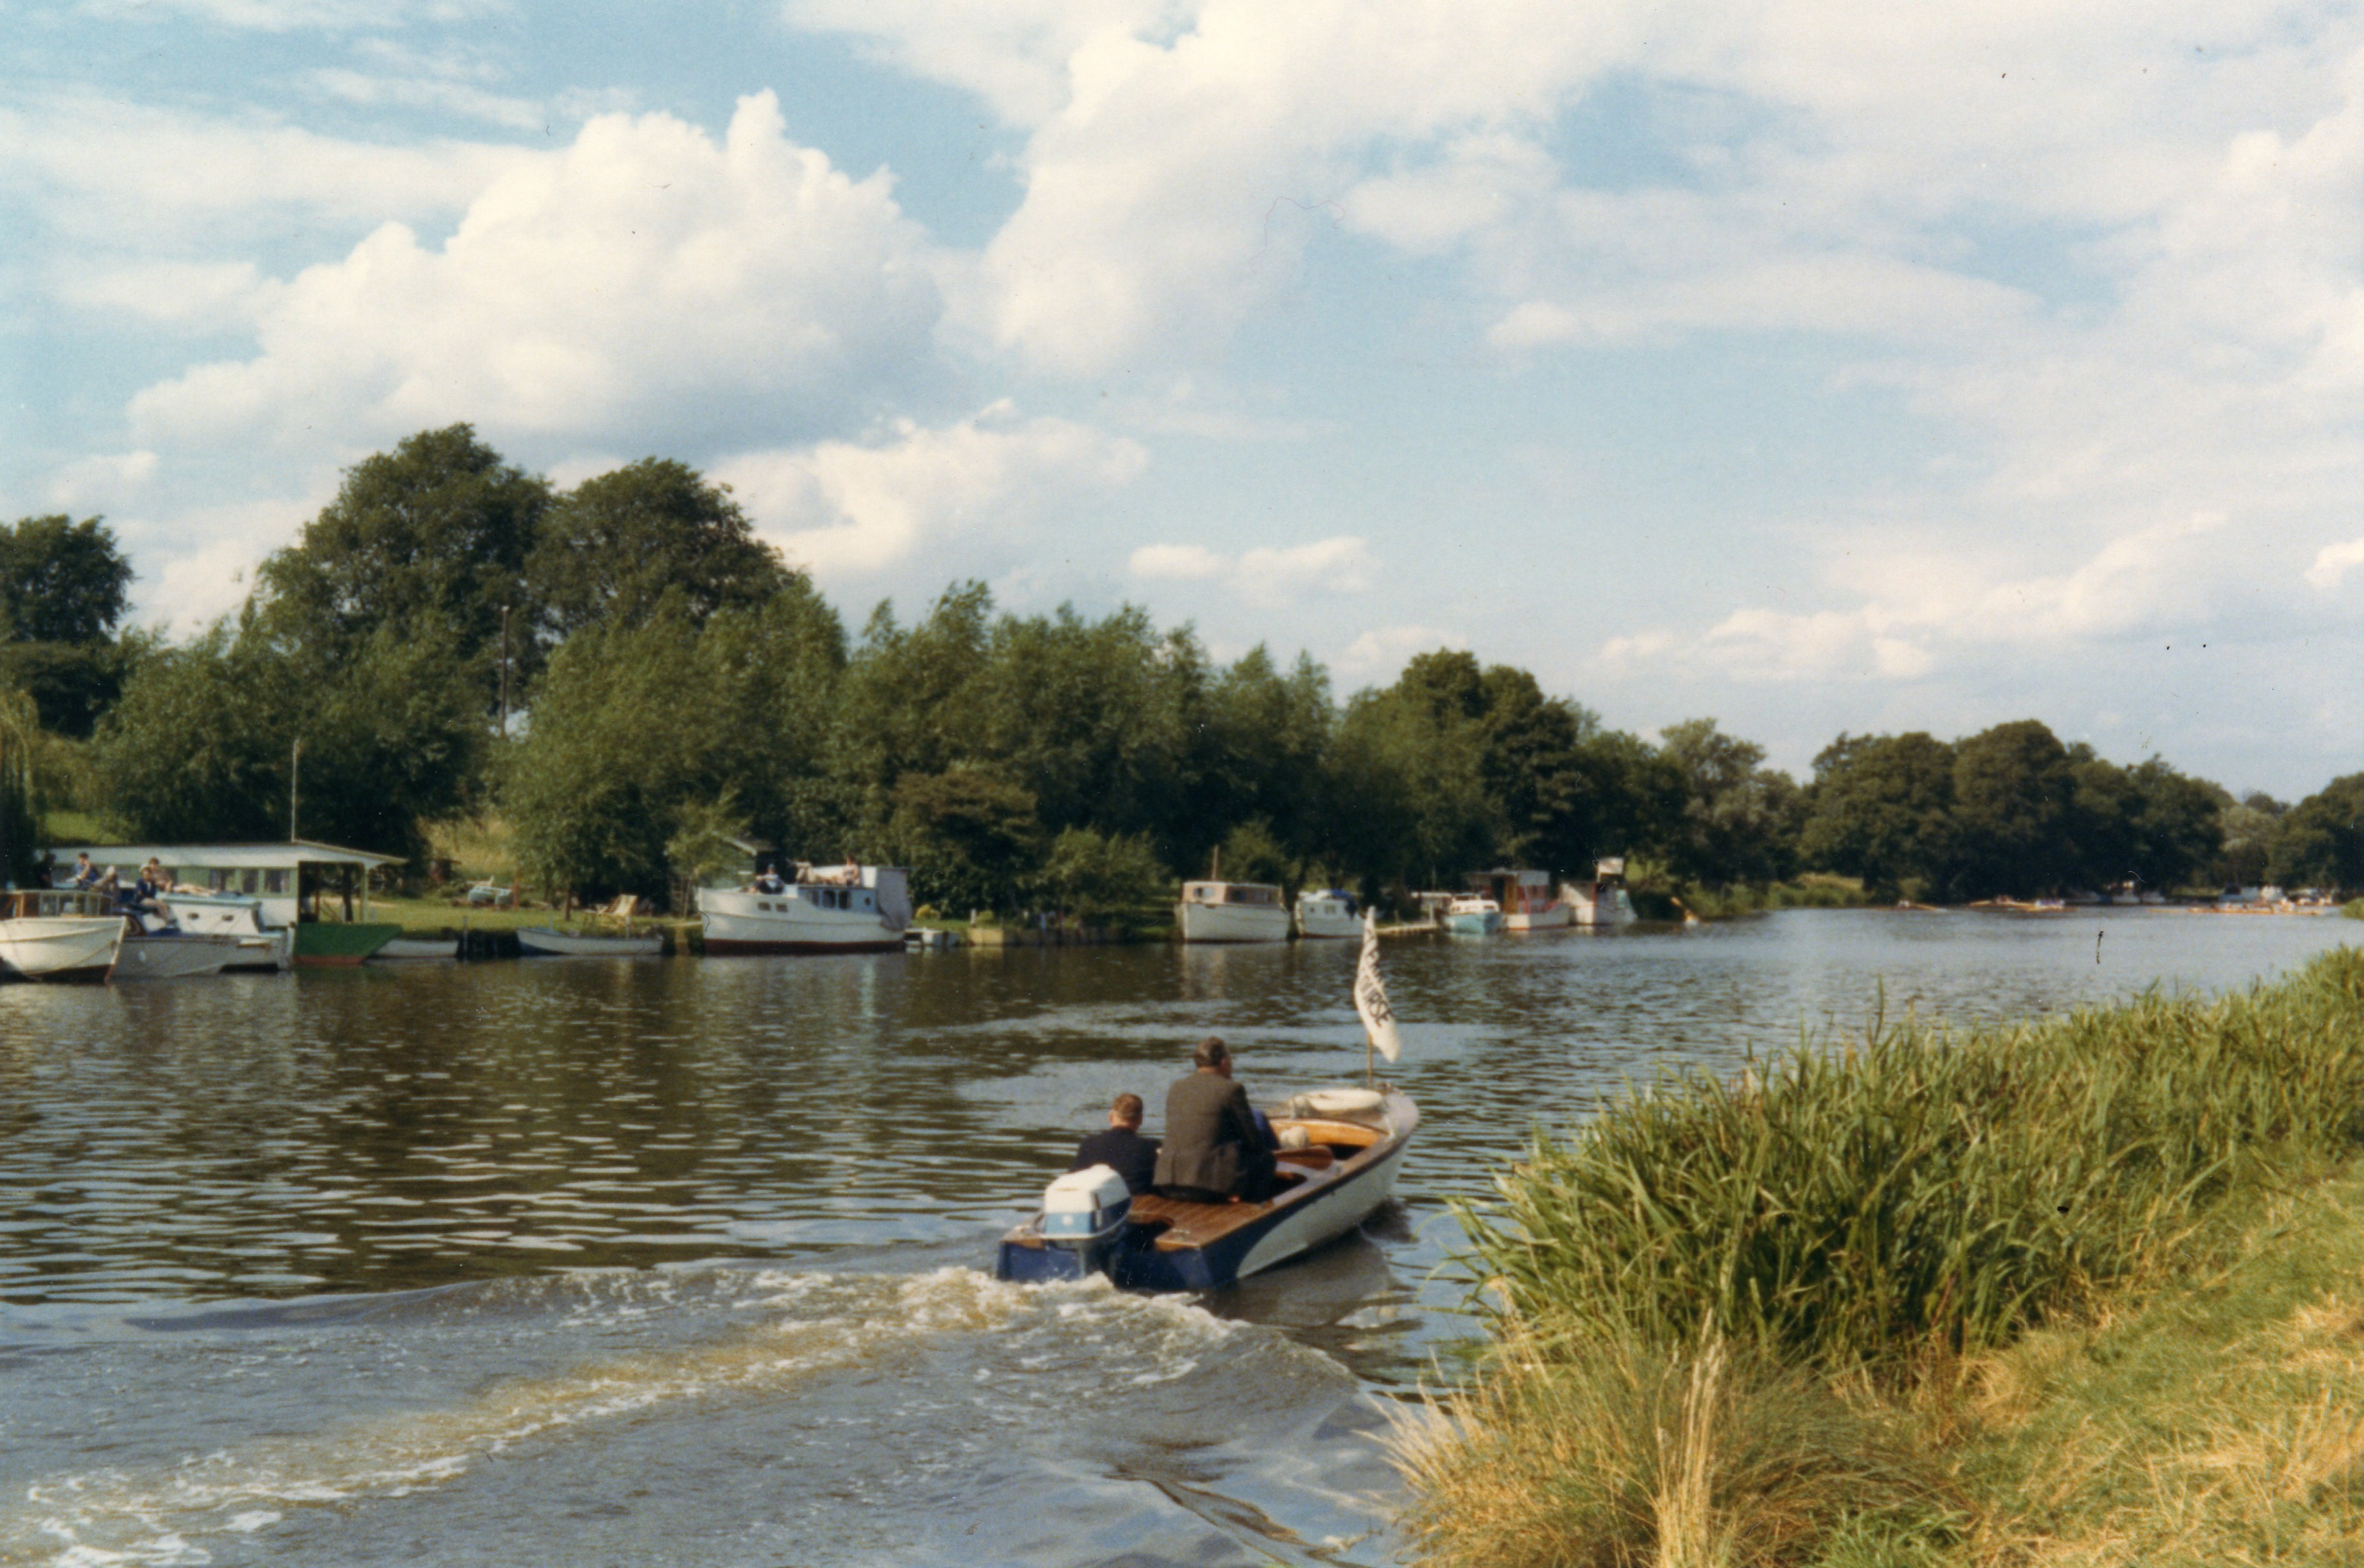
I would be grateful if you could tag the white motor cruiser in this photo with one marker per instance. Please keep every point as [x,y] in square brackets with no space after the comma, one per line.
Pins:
[260,945]
[155,947]
[60,935]
[854,908]
[1330,913]
[1232,912]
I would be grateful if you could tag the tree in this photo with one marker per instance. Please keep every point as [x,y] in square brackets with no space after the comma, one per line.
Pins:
[21,733]
[2320,842]
[1096,878]
[1740,820]
[972,841]
[2247,830]
[429,539]
[616,545]
[201,745]
[2013,793]
[1880,808]
[61,582]
[2178,825]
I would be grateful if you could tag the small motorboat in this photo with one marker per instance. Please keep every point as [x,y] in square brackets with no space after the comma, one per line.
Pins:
[60,935]
[260,946]
[1348,1144]
[1327,913]
[415,950]
[1473,918]
[541,942]
[156,947]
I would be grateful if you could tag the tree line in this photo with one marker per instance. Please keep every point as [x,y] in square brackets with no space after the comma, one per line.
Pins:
[676,684]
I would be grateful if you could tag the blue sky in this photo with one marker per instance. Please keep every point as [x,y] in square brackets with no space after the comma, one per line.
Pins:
[1809,368]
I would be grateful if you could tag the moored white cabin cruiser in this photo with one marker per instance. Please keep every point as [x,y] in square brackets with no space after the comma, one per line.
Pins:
[852,908]
[1603,900]
[1232,912]
[260,944]
[157,946]
[60,935]
[1525,897]
[1329,913]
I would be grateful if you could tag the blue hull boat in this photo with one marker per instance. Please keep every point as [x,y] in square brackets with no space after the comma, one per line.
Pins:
[1354,1145]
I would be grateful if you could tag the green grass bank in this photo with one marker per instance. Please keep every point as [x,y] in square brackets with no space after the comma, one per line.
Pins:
[2085,1290]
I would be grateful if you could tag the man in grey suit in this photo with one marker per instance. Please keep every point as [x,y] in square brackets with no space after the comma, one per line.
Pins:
[1214,1151]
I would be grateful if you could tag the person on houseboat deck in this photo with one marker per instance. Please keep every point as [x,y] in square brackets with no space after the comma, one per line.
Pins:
[1216,1149]
[1120,1147]
[768,880]
[84,874]
[154,884]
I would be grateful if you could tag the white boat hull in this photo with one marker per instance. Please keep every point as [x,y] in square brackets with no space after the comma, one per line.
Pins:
[412,949]
[540,941]
[1326,925]
[65,948]
[1610,907]
[738,923]
[1554,917]
[1469,925]
[1231,922]
[173,958]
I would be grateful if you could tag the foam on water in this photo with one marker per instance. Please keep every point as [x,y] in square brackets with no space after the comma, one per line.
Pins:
[1034,1347]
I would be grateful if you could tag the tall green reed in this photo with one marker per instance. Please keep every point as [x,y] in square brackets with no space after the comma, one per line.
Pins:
[1920,1188]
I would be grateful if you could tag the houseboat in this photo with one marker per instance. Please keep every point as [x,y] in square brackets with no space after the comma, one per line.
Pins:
[320,892]
[849,909]
[1232,912]
[1601,901]
[59,935]
[1330,913]
[1525,898]
[157,946]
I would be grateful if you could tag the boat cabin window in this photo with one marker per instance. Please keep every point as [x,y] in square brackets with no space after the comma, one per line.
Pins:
[247,879]
[1241,892]
[275,882]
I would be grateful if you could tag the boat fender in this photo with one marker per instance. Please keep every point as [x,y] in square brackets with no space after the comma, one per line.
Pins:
[1336,1102]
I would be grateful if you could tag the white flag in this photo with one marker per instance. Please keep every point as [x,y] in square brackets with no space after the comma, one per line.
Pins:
[1371,997]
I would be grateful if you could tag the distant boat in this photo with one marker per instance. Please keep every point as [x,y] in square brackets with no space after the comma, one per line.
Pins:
[1330,913]
[341,944]
[416,949]
[158,948]
[1232,912]
[261,945]
[1525,898]
[61,935]
[856,909]
[1603,900]
[1473,918]
[541,942]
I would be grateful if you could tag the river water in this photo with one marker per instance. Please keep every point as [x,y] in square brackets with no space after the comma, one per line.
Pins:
[674,1261]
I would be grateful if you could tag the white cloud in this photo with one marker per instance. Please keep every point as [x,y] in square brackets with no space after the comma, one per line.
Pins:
[293,16]
[1181,562]
[106,170]
[430,92]
[644,282]
[2333,562]
[1379,656]
[201,297]
[102,480]
[849,510]
[1271,577]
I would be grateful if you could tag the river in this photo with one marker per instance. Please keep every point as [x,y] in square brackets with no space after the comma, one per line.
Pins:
[688,1263]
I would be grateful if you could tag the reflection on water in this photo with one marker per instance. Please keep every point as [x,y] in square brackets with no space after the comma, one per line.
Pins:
[678,1261]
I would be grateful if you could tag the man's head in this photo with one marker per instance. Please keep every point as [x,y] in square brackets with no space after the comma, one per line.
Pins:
[1126,1111]
[1213,1056]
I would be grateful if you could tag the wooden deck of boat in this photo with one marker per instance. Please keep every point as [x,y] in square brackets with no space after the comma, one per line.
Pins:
[1203,1224]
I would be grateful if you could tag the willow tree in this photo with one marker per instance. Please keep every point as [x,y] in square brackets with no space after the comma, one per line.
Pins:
[21,733]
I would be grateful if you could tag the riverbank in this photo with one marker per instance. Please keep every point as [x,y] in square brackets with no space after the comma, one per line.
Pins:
[2077,1291]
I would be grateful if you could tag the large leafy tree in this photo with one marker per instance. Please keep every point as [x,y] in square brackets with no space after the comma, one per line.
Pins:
[617,546]
[2014,794]
[1740,819]
[62,581]
[973,840]
[2320,841]
[63,590]
[1880,808]
[202,745]
[430,541]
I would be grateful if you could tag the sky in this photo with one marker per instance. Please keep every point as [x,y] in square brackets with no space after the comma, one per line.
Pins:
[1814,367]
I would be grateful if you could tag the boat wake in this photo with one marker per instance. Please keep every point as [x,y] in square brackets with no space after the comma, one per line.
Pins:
[866,1404]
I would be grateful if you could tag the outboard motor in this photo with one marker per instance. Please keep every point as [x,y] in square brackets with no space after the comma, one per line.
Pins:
[1084,1213]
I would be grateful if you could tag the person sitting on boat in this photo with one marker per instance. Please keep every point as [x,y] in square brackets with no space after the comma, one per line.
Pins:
[768,880]
[154,884]
[1120,1147]
[84,874]
[1215,1150]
